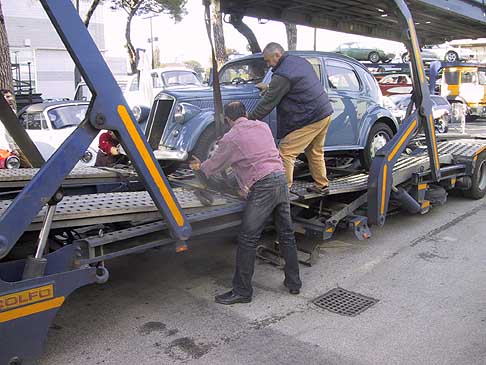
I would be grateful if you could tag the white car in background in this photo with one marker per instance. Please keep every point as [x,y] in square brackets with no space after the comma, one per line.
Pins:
[161,78]
[49,124]
[450,54]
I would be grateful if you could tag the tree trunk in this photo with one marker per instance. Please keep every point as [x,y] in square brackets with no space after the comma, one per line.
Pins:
[6,78]
[237,22]
[91,11]
[132,52]
[291,30]
[219,44]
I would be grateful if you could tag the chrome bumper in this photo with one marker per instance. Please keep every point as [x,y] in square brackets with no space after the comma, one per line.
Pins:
[170,155]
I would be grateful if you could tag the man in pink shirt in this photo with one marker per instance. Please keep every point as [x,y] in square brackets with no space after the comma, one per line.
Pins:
[249,148]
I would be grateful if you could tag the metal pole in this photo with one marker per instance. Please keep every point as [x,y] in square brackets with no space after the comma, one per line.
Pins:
[315,39]
[152,42]
[44,233]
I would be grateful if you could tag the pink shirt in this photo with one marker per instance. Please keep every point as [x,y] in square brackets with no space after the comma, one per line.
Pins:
[249,148]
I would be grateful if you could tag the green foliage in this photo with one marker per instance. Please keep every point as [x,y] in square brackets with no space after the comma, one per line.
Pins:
[174,8]
[195,65]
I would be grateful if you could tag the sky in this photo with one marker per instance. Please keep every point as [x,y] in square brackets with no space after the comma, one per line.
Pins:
[187,40]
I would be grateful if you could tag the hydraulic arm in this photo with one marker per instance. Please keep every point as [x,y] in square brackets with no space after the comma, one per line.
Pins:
[380,181]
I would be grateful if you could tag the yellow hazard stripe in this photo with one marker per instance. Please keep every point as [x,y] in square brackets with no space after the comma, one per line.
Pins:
[383,189]
[144,153]
[402,140]
[416,49]
[31,309]
[422,186]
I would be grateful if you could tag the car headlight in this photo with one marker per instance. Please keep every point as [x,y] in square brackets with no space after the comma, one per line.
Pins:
[180,113]
[87,157]
[12,162]
[185,112]
[140,113]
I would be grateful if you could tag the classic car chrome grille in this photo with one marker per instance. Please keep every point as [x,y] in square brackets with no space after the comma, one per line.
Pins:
[158,117]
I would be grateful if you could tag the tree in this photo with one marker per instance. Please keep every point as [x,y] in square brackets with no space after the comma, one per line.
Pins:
[245,30]
[91,11]
[196,66]
[219,44]
[291,30]
[6,78]
[174,8]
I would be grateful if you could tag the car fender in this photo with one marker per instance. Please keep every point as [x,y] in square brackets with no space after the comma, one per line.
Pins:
[377,114]
[190,131]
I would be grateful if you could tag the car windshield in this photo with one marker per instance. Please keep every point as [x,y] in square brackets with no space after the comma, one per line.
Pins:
[67,116]
[173,78]
[252,70]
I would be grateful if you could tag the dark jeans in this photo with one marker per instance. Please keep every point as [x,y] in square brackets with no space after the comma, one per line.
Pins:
[268,196]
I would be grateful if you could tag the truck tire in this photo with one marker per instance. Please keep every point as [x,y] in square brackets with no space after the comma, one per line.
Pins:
[478,187]
[374,57]
[380,134]
[206,144]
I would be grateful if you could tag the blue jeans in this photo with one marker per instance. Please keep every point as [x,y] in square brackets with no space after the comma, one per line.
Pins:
[268,197]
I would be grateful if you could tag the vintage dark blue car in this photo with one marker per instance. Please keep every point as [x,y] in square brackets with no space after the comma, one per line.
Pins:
[181,121]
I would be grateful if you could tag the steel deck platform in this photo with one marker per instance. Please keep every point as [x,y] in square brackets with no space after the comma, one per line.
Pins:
[82,210]
[449,152]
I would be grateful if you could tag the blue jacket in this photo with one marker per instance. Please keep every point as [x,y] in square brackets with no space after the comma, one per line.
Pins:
[306,102]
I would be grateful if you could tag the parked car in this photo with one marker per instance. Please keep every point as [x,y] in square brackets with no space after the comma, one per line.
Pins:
[441,109]
[442,52]
[162,78]
[363,53]
[49,124]
[395,84]
[183,119]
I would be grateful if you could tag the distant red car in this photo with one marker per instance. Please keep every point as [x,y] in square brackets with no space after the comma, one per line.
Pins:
[395,84]
[9,160]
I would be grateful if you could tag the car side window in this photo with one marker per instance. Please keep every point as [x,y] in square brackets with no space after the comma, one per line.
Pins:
[156,81]
[316,65]
[33,121]
[482,77]
[341,76]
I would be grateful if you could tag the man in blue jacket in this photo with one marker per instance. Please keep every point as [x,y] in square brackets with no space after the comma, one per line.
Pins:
[303,112]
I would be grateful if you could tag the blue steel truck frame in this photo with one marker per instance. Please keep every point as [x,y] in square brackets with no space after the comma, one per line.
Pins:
[33,289]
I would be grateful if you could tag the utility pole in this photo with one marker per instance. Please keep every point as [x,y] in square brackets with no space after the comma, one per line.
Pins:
[152,39]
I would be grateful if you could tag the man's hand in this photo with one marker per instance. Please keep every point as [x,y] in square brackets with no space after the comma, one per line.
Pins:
[114,151]
[195,163]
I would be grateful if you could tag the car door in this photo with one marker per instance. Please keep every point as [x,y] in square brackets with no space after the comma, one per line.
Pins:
[345,93]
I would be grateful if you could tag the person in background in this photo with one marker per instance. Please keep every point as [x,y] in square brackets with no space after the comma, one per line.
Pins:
[303,112]
[108,151]
[249,148]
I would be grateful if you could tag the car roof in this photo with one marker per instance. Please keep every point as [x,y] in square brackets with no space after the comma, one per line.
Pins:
[40,107]
[306,53]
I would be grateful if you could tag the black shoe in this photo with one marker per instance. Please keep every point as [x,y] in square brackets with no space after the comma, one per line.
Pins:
[318,190]
[291,290]
[231,298]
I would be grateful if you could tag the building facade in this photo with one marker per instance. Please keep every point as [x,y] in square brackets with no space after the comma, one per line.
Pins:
[38,51]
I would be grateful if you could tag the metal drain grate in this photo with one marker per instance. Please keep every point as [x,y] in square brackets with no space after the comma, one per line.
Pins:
[344,302]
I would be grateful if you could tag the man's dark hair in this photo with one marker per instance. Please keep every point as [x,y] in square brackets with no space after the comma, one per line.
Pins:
[234,110]
[6,91]
[273,47]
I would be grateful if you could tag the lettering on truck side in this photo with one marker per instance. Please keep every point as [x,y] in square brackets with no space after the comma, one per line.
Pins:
[21,298]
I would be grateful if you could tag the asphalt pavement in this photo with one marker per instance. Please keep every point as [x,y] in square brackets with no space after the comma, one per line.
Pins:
[427,272]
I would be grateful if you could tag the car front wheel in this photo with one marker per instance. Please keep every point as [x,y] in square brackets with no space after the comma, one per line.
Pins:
[380,134]
[206,144]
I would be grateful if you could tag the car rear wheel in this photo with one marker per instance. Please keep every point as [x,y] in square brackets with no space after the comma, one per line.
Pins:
[451,56]
[380,134]
[374,57]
